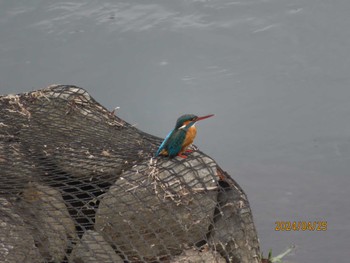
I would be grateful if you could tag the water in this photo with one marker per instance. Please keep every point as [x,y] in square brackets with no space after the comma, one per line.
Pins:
[274,72]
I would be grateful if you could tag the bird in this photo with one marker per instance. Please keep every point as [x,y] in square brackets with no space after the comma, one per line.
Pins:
[182,136]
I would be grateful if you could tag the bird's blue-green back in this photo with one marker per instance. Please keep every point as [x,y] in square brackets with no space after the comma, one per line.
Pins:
[174,141]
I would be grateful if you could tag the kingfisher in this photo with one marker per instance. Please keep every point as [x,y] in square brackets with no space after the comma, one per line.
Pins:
[182,136]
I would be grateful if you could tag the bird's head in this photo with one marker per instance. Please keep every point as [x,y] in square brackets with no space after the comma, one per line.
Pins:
[188,120]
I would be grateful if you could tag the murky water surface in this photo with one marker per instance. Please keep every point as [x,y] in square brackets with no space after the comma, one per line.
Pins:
[275,73]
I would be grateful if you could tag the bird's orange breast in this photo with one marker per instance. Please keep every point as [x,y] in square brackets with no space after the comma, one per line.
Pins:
[190,135]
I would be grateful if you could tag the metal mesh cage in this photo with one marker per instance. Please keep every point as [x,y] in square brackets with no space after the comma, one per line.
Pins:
[78,184]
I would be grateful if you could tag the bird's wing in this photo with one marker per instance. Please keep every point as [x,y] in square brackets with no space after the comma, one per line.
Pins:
[162,146]
[174,146]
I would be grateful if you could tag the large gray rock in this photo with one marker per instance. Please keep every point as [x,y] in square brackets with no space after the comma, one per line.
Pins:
[155,210]
[92,248]
[233,232]
[16,242]
[51,225]
[194,256]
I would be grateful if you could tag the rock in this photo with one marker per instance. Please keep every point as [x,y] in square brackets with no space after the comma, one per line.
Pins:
[52,227]
[155,210]
[81,156]
[194,256]
[16,242]
[92,248]
[15,170]
[233,232]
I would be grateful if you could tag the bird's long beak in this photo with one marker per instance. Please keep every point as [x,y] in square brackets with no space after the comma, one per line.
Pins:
[204,117]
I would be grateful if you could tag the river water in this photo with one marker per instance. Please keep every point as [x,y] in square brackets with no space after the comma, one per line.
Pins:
[274,72]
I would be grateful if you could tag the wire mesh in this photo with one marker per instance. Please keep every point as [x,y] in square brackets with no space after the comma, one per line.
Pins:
[78,184]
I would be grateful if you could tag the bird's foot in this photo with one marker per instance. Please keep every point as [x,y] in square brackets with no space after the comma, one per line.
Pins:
[185,153]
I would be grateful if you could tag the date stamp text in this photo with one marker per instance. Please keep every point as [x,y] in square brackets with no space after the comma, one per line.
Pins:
[300,225]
